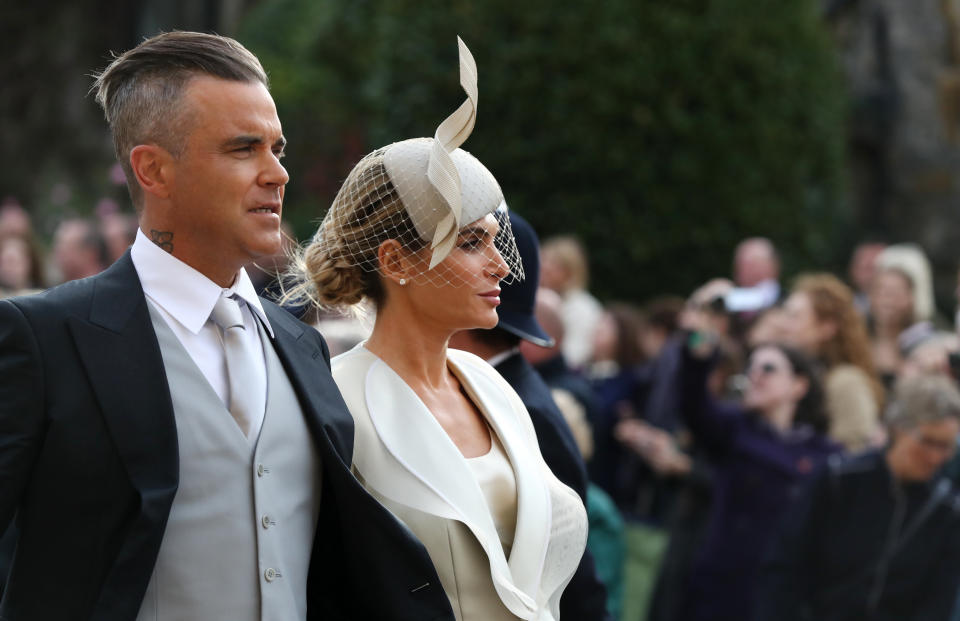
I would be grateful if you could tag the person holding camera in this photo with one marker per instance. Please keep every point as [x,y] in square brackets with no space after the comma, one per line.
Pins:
[761,451]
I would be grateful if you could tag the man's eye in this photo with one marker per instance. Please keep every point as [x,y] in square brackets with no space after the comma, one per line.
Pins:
[280,153]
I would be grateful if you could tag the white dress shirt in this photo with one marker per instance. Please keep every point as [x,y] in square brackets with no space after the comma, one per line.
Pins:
[185,297]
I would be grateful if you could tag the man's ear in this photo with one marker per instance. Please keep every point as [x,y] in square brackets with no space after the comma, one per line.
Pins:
[151,166]
[394,263]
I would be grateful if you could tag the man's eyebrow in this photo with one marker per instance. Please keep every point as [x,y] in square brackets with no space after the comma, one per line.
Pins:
[251,141]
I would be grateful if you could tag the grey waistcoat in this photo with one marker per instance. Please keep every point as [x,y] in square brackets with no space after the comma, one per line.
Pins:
[238,540]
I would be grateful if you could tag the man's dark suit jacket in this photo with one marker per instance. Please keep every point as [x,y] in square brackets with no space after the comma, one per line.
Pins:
[88,459]
[585,598]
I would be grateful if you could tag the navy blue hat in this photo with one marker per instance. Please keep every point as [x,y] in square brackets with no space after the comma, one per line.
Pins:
[517,299]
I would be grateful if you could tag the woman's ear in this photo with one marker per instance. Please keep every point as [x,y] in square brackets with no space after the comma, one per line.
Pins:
[394,263]
[150,166]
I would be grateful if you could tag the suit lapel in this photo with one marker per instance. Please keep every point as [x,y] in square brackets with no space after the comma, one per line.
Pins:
[120,353]
[307,367]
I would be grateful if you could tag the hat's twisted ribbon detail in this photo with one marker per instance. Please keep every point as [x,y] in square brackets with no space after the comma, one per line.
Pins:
[441,172]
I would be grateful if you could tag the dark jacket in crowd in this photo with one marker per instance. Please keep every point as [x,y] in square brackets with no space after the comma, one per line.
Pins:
[557,374]
[758,476]
[864,547]
[585,597]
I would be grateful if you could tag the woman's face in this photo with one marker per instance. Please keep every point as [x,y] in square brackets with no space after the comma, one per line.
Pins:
[15,264]
[468,291]
[605,338]
[771,381]
[891,298]
[801,327]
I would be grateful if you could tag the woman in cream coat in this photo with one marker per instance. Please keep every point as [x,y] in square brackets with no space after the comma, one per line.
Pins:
[441,439]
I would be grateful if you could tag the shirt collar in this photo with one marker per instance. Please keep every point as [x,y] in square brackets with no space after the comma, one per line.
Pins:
[182,291]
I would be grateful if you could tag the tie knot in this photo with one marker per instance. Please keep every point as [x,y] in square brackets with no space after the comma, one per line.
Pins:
[226,313]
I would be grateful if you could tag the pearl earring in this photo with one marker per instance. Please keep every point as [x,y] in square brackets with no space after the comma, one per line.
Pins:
[403,281]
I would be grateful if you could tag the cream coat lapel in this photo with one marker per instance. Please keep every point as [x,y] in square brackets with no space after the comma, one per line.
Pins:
[439,481]
[532,534]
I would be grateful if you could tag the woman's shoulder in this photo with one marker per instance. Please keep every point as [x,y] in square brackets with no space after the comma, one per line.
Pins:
[359,356]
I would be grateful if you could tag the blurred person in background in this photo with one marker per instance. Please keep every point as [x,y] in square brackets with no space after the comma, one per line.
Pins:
[877,538]
[79,250]
[761,452]
[901,296]
[862,268]
[21,266]
[605,540]
[756,274]
[14,219]
[119,231]
[613,376]
[548,358]
[565,269]
[822,321]
[660,319]
[769,327]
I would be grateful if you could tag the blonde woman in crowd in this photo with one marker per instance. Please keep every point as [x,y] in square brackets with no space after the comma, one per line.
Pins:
[441,439]
[822,320]
[901,295]
[564,269]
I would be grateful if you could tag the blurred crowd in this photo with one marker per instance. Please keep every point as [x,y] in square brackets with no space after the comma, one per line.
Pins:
[757,450]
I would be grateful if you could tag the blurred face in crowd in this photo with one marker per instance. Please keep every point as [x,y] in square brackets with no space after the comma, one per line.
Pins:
[605,338]
[891,298]
[772,384]
[770,327]
[754,262]
[553,273]
[863,265]
[800,325]
[15,264]
[73,254]
[918,454]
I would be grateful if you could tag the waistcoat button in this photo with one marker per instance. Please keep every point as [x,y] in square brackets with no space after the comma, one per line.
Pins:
[270,574]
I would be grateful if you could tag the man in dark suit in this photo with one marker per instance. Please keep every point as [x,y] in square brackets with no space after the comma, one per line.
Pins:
[585,596]
[115,473]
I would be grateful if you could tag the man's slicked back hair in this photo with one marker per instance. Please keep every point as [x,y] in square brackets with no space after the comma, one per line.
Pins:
[140,90]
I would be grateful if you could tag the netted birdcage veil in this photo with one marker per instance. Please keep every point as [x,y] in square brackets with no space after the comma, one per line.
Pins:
[423,193]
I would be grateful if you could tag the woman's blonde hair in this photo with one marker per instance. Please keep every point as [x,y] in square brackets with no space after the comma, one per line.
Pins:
[339,266]
[833,301]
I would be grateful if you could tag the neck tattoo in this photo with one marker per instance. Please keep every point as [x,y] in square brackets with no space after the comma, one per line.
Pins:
[164,239]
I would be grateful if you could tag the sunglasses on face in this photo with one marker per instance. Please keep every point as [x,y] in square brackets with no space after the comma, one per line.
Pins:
[764,368]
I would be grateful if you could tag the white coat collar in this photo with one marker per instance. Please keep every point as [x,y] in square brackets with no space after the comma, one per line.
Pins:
[439,481]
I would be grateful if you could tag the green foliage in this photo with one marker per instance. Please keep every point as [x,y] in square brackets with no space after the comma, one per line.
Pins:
[660,132]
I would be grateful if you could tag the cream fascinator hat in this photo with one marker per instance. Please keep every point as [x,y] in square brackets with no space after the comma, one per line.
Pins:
[440,187]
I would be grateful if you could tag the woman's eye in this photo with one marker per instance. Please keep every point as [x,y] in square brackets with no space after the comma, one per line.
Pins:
[471,244]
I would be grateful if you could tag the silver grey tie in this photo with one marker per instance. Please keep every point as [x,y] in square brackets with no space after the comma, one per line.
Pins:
[241,360]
